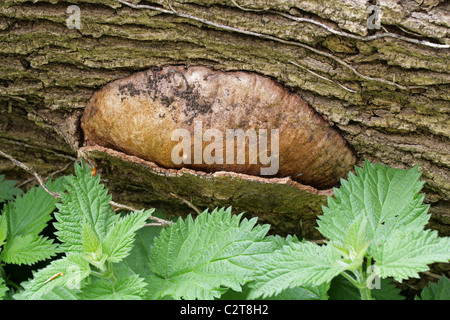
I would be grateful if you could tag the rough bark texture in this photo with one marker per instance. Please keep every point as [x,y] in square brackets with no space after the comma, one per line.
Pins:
[387,90]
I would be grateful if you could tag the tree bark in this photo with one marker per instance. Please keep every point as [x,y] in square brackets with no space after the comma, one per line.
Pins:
[386,90]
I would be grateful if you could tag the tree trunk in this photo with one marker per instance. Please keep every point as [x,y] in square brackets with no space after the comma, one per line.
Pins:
[385,90]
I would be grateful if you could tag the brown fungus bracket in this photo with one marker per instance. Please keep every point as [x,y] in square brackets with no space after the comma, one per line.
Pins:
[154,113]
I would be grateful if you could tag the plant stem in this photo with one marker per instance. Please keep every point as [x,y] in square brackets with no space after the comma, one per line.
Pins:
[350,278]
[110,269]
[97,274]
[363,288]
[360,282]
[108,273]
[365,293]
[13,284]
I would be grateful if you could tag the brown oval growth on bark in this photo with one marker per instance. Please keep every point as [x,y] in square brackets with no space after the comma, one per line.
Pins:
[191,115]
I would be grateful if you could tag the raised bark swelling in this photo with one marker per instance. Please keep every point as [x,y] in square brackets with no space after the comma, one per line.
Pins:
[147,113]
[386,91]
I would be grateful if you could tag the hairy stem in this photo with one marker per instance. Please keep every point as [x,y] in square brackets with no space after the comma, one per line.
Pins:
[360,281]
[365,293]
[350,278]
[362,286]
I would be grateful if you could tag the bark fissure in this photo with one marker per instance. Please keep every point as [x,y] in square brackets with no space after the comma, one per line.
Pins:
[288,42]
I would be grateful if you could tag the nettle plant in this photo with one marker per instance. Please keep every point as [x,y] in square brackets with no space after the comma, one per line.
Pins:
[374,226]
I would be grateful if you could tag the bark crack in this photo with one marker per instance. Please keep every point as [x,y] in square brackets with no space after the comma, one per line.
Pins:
[268,37]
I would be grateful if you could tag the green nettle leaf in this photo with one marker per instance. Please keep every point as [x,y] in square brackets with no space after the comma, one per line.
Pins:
[62,293]
[29,213]
[294,265]
[119,240]
[28,249]
[86,223]
[296,293]
[3,288]
[92,247]
[68,271]
[8,190]
[439,291]
[87,202]
[22,221]
[200,259]
[138,260]
[377,213]
[91,243]
[374,225]
[386,197]
[91,233]
[408,252]
[303,293]
[3,229]
[131,288]
[355,246]
[389,200]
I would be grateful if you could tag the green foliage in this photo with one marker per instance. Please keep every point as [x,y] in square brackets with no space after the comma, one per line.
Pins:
[92,237]
[28,249]
[374,225]
[61,293]
[294,265]
[72,269]
[342,289]
[85,206]
[439,291]
[196,259]
[30,213]
[8,191]
[130,288]
[296,293]
[3,288]
[3,229]
[199,258]
[377,215]
[22,221]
